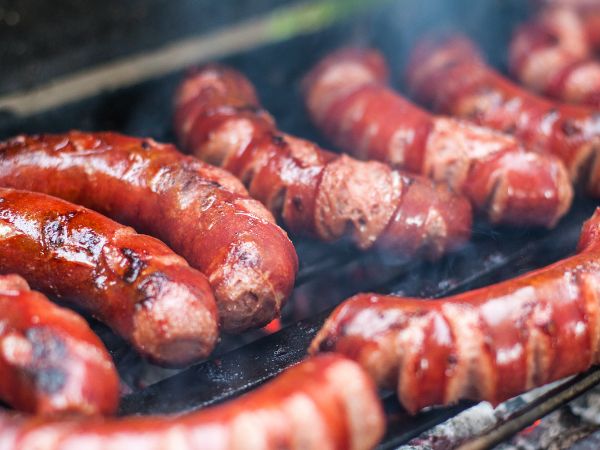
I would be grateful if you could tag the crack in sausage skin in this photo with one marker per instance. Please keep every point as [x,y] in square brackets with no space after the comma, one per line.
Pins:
[348,98]
[202,212]
[487,344]
[51,361]
[324,403]
[310,190]
[132,282]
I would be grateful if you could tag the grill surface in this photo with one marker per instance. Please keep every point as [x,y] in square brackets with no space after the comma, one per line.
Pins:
[328,273]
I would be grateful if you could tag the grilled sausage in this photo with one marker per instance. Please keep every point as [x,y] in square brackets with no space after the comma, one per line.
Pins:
[312,191]
[488,344]
[324,403]
[50,360]
[200,211]
[553,54]
[348,98]
[133,283]
[452,77]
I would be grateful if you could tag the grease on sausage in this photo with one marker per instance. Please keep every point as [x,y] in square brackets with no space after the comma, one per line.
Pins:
[132,282]
[488,344]
[347,96]
[324,403]
[200,211]
[50,360]
[315,192]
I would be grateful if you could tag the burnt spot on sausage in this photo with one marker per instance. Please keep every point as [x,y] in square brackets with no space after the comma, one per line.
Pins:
[151,288]
[135,265]
[328,344]
[570,128]
[297,203]
[48,357]
[55,229]
[277,139]
[146,145]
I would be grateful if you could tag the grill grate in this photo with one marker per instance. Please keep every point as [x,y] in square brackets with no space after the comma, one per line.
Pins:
[328,273]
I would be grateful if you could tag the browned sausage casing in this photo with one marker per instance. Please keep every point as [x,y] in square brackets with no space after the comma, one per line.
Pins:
[488,344]
[200,211]
[348,98]
[133,283]
[453,78]
[554,53]
[324,403]
[314,192]
[50,360]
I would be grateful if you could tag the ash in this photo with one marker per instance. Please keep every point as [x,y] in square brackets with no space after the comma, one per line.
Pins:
[575,426]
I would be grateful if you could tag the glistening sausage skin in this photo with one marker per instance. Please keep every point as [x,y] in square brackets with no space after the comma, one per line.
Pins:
[453,78]
[51,362]
[315,192]
[132,282]
[324,403]
[554,54]
[200,211]
[347,97]
[488,344]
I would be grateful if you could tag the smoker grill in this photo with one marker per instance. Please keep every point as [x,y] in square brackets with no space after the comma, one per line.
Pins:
[328,273]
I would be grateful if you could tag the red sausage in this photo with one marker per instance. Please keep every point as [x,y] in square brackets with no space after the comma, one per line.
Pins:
[200,211]
[453,78]
[348,98]
[488,344]
[324,403]
[50,360]
[554,54]
[133,283]
[313,191]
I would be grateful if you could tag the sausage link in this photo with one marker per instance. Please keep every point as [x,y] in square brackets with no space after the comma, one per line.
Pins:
[50,360]
[488,344]
[348,98]
[312,191]
[553,55]
[133,283]
[324,403]
[200,211]
[453,78]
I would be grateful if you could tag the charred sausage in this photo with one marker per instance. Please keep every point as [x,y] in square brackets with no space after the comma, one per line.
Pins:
[488,344]
[554,54]
[324,403]
[453,78]
[219,119]
[50,360]
[347,97]
[133,283]
[200,211]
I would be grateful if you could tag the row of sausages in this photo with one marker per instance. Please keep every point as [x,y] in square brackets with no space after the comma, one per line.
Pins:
[496,342]
[237,266]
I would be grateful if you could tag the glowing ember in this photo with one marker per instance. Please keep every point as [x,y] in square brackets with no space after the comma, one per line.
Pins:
[273,326]
[531,427]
